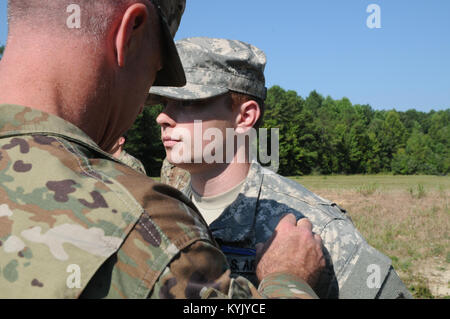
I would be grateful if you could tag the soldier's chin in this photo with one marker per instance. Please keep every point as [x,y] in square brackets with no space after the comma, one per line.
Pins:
[183,163]
[177,160]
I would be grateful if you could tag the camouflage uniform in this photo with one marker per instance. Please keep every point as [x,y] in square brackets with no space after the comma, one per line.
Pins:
[264,199]
[214,67]
[354,268]
[132,162]
[66,204]
[174,176]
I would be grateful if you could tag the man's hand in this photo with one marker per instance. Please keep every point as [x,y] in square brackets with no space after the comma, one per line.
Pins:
[292,249]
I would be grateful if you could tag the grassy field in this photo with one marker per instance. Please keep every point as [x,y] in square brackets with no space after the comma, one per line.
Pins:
[405,217]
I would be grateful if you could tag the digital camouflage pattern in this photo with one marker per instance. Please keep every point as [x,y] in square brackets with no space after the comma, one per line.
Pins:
[132,162]
[264,199]
[214,67]
[64,203]
[174,176]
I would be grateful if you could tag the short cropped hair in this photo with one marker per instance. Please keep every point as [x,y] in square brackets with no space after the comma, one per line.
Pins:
[96,15]
[237,99]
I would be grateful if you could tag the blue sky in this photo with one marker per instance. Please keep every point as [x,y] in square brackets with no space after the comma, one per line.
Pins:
[325,45]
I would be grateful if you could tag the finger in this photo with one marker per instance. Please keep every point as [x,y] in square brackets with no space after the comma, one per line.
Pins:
[304,222]
[288,219]
[318,239]
[259,248]
[259,252]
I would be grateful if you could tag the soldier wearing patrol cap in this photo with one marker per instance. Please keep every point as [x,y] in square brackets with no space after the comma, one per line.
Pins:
[75,221]
[243,202]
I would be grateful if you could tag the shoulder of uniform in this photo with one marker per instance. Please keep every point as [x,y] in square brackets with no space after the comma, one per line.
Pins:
[365,269]
[168,208]
[111,184]
[293,189]
[288,191]
[354,260]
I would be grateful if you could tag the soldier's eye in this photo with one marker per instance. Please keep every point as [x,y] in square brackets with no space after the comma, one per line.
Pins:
[164,102]
[187,103]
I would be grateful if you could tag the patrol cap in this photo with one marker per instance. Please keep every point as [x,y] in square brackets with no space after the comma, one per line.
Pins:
[170,13]
[214,67]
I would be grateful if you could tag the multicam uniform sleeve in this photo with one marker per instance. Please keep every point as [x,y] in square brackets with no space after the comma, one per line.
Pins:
[200,271]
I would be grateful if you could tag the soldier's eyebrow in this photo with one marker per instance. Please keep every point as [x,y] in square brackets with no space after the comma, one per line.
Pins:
[163,101]
[200,102]
[184,103]
[189,102]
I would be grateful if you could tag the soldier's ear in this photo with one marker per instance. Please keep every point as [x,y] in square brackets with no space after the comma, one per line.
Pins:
[130,34]
[249,113]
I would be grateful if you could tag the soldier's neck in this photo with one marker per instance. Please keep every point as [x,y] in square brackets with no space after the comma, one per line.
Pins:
[218,178]
[53,82]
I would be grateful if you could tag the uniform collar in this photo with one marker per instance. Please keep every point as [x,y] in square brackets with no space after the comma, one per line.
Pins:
[237,222]
[20,120]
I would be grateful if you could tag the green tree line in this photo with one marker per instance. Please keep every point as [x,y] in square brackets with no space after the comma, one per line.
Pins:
[326,136]
[320,135]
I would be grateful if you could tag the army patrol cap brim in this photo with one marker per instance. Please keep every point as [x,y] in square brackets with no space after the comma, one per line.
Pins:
[170,13]
[214,67]
[190,91]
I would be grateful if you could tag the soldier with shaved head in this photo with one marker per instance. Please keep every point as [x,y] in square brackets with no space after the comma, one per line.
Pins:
[75,221]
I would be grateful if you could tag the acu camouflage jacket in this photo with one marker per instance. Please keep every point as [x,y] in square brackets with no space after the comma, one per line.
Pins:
[75,222]
[354,268]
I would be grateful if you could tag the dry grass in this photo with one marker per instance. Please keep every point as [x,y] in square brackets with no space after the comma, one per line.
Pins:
[405,217]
